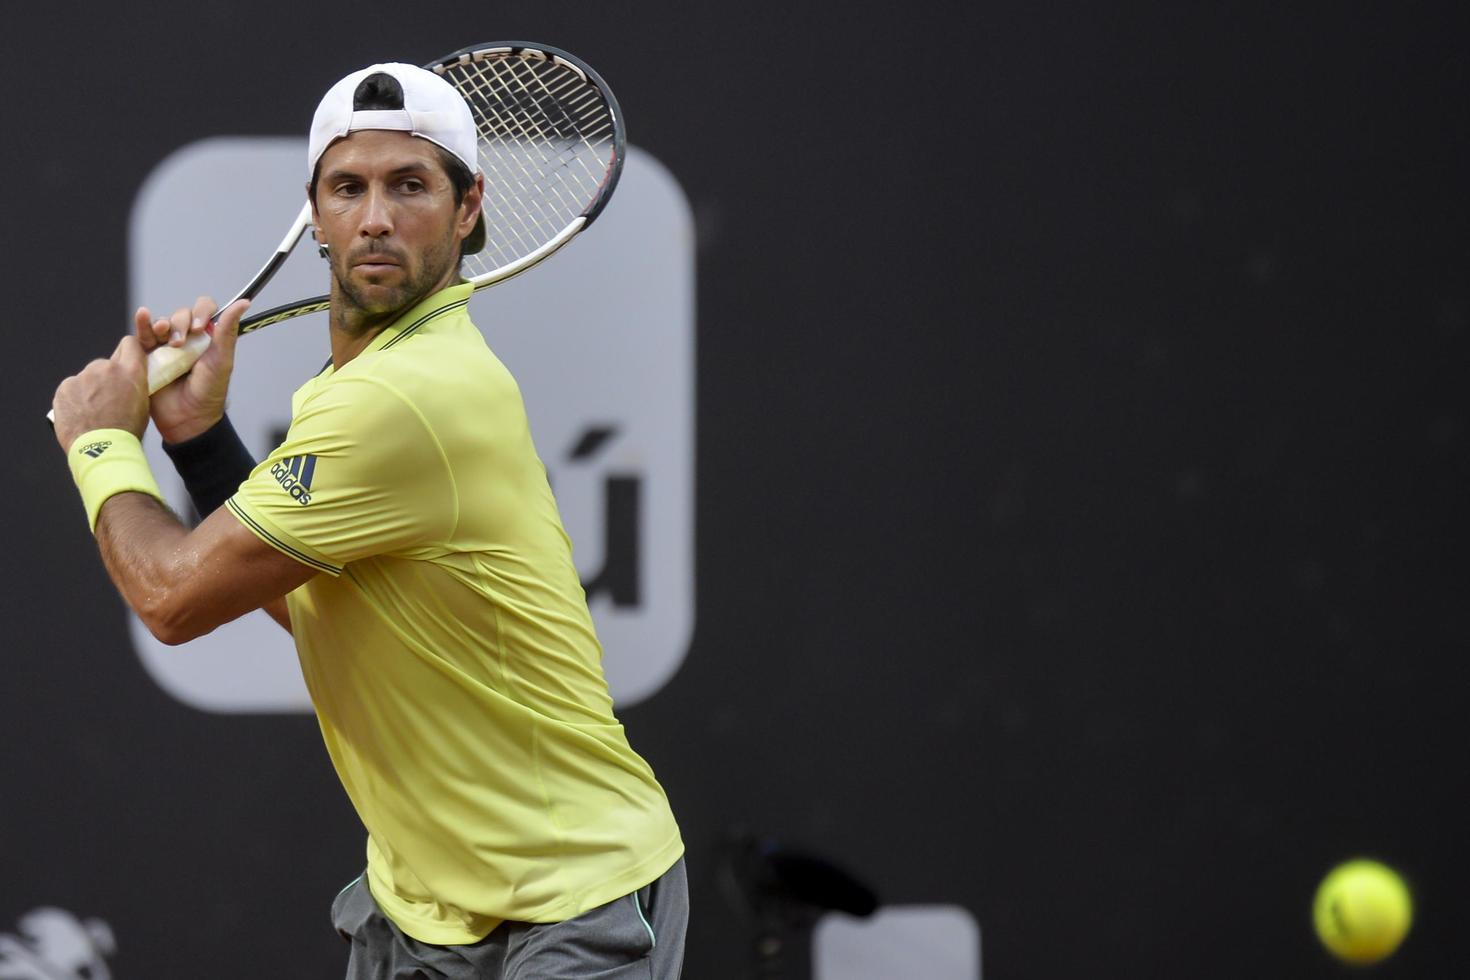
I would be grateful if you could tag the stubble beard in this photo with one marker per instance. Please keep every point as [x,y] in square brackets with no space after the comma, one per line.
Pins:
[356,309]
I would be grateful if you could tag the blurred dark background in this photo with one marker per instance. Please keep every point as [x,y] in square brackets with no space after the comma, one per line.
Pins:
[1081,440]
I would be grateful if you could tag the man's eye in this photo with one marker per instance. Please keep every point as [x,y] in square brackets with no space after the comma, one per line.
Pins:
[412,186]
[347,190]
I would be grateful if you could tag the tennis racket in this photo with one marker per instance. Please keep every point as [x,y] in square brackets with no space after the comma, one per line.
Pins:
[551,148]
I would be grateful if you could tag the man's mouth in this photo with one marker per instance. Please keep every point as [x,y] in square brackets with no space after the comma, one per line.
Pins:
[375,265]
[375,260]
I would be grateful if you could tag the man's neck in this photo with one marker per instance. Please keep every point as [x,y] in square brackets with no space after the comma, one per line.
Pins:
[353,329]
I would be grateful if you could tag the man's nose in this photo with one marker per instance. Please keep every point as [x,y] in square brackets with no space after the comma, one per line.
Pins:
[377,215]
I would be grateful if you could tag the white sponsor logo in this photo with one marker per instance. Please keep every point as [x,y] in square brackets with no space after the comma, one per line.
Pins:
[600,338]
[53,944]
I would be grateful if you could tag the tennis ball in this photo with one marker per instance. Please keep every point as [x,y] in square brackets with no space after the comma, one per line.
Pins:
[1362,911]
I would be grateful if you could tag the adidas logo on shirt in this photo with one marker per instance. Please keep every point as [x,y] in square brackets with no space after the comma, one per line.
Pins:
[294,475]
[95,449]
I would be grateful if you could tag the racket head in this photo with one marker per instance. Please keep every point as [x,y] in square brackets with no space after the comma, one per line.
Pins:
[551,148]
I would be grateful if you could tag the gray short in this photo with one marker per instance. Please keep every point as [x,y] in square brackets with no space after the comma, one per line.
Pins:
[640,935]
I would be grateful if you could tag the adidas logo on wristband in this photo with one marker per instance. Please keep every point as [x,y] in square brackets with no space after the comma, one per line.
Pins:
[95,449]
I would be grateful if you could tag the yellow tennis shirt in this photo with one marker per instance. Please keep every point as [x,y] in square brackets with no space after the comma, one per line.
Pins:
[448,648]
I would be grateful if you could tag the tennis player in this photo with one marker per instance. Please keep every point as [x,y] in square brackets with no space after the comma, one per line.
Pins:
[405,534]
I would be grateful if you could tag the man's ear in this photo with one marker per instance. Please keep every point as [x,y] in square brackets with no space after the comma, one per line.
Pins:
[474,197]
[316,220]
[316,223]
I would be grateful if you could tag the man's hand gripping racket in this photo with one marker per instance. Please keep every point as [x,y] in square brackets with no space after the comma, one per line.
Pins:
[551,145]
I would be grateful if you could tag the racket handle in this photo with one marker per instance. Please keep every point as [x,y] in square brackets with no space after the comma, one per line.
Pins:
[168,364]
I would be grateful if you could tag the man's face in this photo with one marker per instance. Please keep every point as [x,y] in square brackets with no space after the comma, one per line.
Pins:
[385,207]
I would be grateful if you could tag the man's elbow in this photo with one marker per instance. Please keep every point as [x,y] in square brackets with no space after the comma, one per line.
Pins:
[172,634]
[172,623]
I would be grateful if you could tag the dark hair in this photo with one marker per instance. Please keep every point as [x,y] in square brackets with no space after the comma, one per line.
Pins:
[462,180]
[381,90]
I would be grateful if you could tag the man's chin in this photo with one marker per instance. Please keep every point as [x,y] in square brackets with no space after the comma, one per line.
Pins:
[380,299]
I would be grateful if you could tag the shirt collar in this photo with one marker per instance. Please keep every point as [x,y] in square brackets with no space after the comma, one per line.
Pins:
[426,309]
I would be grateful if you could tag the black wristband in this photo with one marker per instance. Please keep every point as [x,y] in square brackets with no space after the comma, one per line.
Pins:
[213,465]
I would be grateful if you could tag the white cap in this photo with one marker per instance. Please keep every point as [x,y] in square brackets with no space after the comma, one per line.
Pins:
[432,109]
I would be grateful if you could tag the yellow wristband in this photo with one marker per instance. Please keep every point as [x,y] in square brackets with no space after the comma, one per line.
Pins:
[107,462]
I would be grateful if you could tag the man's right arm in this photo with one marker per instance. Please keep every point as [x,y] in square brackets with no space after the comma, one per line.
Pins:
[182,583]
[190,413]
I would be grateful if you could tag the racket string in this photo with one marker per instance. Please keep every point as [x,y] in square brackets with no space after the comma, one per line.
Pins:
[506,169]
[546,150]
[532,126]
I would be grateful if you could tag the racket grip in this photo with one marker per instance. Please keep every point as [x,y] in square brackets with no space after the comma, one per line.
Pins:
[167,364]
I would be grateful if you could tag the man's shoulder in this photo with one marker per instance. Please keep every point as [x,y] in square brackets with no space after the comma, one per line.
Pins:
[451,355]
[450,369]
